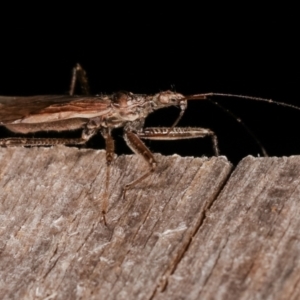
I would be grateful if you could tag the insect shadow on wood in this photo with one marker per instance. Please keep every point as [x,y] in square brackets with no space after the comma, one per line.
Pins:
[101,114]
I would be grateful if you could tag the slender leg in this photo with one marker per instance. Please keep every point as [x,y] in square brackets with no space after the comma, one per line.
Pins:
[110,149]
[133,140]
[79,74]
[138,147]
[87,133]
[179,133]
[24,141]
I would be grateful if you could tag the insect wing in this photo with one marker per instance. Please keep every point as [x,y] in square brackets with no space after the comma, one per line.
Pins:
[37,109]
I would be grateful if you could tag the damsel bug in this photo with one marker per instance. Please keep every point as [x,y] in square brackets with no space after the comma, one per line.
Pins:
[102,114]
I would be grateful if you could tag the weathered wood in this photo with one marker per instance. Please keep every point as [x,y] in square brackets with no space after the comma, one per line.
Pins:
[53,244]
[248,247]
[173,237]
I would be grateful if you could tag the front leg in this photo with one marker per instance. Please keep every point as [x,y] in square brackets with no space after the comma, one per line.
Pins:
[133,138]
[179,133]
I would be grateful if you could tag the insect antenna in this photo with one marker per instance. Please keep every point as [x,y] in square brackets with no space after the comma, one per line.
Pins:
[207,96]
[240,121]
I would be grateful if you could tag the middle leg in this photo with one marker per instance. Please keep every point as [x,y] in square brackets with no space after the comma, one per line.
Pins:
[137,146]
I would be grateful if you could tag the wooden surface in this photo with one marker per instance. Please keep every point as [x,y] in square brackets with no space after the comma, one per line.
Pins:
[192,230]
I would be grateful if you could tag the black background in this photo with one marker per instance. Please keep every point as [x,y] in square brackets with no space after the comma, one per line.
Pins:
[247,51]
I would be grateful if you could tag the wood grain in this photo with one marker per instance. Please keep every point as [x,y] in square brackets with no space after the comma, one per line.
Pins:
[248,247]
[193,230]
[53,244]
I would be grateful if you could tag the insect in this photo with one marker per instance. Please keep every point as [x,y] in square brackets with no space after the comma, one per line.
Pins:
[102,114]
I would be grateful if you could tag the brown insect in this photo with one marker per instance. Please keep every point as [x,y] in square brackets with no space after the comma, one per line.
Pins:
[102,114]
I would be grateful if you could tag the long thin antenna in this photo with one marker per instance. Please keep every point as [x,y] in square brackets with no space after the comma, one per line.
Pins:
[250,132]
[207,95]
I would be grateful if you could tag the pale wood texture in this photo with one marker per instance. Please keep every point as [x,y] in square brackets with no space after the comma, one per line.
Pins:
[53,243]
[248,247]
[180,234]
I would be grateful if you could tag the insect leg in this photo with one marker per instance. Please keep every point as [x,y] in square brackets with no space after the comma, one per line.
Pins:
[24,141]
[110,149]
[80,75]
[179,133]
[87,133]
[138,147]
